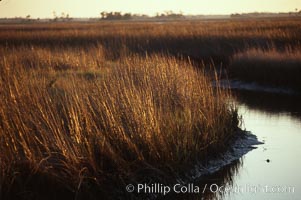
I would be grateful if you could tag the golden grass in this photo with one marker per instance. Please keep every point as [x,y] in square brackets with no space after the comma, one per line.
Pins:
[269,67]
[200,40]
[85,104]
[70,118]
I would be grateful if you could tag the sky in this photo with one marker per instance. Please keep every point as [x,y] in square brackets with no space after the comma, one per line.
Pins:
[92,8]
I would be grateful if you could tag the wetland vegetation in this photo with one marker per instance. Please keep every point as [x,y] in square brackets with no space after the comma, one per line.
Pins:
[87,104]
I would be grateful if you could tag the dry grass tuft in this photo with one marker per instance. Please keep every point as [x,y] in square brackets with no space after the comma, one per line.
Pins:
[269,67]
[98,120]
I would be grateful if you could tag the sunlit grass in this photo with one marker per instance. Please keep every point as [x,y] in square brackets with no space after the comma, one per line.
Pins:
[97,120]
[269,67]
[200,40]
[83,105]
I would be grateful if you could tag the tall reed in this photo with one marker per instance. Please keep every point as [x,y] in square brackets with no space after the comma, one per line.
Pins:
[72,123]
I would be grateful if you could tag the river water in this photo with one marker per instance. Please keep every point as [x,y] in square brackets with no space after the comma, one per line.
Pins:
[272,170]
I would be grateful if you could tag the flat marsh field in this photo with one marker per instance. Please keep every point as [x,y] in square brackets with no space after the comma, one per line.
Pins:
[86,108]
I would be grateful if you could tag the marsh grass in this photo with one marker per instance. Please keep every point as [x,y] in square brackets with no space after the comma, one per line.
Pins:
[72,121]
[268,67]
[87,108]
[208,41]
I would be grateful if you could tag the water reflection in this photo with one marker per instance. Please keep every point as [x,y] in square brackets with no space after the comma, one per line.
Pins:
[270,103]
[276,120]
[213,185]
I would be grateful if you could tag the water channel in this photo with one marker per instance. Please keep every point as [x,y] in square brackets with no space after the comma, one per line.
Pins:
[271,171]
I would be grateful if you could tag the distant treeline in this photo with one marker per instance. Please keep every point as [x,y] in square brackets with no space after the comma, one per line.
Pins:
[265,14]
[167,15]
[126,16]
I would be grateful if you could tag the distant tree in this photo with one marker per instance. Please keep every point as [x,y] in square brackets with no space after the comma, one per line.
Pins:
[170,15]
[103,14]
[63,16]
[115,16]
[27,18]
[55,17]
[168,12]
[235,15]
[127,16]
[68,18]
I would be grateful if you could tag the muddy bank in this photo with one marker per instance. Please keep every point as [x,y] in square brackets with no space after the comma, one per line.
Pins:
[200,175]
